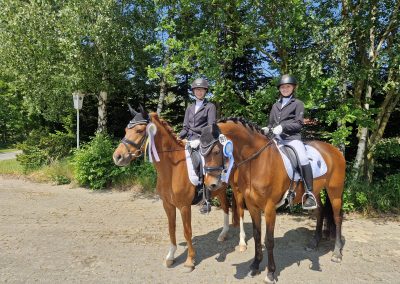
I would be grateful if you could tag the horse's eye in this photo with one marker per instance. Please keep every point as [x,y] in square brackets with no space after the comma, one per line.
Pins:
[139,130]
[216,152]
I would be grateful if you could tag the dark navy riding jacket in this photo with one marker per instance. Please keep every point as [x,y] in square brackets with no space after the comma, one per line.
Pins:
[290,117]
[194,122]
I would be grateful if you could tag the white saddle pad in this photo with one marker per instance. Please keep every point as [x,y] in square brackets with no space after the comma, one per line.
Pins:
[318,164]
[194,179]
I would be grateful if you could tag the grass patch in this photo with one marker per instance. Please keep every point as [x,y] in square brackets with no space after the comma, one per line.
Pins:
[58,172]
[11,167]
[7,150]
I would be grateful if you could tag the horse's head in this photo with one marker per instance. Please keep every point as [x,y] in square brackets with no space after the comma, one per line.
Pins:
[214,153]
[131,146]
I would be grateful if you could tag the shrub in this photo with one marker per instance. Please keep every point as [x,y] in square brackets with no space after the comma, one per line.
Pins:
[93,164]
[59,172]
[383,196]
[387,157]
[42,148]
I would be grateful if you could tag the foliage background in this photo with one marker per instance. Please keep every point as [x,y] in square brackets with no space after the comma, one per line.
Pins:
[345,54]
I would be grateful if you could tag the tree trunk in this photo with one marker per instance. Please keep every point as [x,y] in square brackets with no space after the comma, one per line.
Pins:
[163,83]
[360,160]
[102,112]
[163,92]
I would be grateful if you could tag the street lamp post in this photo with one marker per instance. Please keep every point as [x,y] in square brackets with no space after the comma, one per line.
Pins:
[78,101]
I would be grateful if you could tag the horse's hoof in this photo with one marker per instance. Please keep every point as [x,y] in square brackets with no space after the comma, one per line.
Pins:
[168,262]
[270,279]
[221,238]
[242,248]
[188,268]
[253,272]
[336,258]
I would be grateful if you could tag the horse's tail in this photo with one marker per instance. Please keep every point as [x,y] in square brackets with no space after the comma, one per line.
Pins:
[235,214]
[329,230]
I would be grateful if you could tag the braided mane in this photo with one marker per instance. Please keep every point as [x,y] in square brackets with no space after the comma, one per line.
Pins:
[248,124]
[167,127]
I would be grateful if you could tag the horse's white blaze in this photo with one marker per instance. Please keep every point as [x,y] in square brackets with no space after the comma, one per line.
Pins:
[242,241]
[171,252]
[225,229]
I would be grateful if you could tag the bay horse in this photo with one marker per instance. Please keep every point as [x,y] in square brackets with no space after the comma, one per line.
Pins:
[262,181]
[173,184]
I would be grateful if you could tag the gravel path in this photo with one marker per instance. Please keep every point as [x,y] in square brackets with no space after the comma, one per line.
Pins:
[58,234]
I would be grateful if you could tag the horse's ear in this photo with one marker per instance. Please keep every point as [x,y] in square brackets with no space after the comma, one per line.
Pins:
[215,131]
[132,111]
[143,112]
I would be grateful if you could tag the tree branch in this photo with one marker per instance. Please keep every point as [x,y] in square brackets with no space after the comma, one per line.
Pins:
[389,28]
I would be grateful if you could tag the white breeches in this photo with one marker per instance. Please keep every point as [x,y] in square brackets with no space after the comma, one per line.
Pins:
[300,149]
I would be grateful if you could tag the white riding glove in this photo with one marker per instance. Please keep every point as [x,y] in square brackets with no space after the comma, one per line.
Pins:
[194,143]
[265,130]
[277,130]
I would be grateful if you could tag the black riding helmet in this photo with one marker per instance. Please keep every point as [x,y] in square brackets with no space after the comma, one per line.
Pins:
[287,79]
[200,83]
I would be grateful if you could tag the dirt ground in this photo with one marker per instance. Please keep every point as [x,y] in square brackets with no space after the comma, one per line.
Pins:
[59,234]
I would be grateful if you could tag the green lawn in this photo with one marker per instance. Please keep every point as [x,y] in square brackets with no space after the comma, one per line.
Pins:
[7,150]
[10,167]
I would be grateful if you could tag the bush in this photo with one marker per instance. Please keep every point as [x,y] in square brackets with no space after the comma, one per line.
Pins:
[93,164]
[94,167]
[383,196]
[59,172]
[42,148]
[387,157]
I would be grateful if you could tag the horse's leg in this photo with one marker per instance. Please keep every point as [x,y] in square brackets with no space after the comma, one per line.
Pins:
[170,210]
[313,243]
[225,207]
[186,213]
[270,216]
[256,220]
[337,217]
[240,208]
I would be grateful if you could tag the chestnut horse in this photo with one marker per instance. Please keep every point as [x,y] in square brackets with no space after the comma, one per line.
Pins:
[262,181]
[173,184]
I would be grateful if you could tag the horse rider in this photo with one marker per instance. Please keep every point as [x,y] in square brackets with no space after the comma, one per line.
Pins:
[286,120]
[197,116]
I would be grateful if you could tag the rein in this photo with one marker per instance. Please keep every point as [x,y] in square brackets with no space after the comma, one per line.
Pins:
[255,154]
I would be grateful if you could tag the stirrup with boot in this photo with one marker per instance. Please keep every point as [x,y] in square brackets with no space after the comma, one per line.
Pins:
[310,202]
[206,208]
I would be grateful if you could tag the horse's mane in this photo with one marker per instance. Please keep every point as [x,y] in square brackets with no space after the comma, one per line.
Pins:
[167,127]
[248,124]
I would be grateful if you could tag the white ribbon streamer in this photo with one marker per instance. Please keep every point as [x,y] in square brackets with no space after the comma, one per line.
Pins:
[151,130]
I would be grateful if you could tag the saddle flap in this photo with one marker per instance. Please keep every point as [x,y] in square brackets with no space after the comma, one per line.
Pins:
[318,165]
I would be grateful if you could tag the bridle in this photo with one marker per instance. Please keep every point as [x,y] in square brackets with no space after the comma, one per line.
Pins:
[138,152]
[206,152]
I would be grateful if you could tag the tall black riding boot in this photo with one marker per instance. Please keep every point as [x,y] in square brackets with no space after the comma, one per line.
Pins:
[310,202]
[206,208]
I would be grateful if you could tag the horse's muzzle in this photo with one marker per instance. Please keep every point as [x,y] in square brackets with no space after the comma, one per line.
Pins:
[121,160]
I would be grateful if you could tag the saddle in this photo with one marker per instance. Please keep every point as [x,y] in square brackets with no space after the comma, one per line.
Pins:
[197,166]
[291,154]
[294,170]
